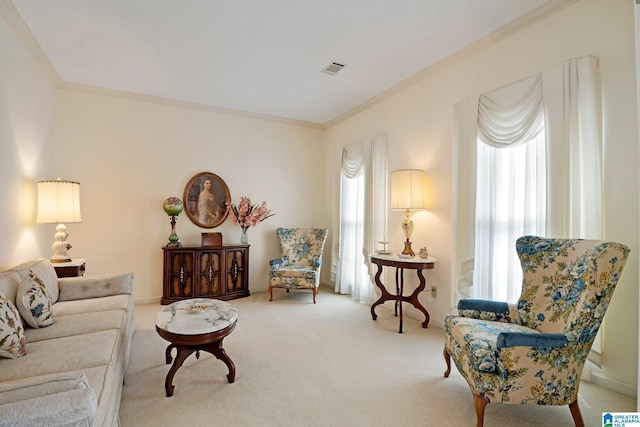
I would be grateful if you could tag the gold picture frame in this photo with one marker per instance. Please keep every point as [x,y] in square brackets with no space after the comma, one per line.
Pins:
[205,200]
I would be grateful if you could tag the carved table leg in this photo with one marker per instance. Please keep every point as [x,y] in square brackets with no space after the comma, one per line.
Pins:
[181,356]
[216,349]
[399,292]
[384,295]
[167,353]
[413,299]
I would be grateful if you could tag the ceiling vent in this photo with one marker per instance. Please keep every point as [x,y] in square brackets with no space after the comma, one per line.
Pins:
[333,68]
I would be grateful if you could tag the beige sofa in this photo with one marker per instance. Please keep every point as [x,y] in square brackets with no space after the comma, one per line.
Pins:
[73,371]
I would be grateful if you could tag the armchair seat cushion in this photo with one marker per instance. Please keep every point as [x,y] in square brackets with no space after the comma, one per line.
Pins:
[480,339]
[296,271]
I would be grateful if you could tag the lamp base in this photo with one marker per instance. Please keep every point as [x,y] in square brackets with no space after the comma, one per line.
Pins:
[60,246]
[407,249]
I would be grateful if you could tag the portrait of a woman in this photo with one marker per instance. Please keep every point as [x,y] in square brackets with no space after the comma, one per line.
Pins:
[208,209]
[206,196]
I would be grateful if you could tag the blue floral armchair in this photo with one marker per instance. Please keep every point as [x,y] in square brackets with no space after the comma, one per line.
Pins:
[299,266]
[534,352]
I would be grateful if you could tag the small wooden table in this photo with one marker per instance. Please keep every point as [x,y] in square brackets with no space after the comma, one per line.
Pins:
[73,268]
[193,325]
[400,263]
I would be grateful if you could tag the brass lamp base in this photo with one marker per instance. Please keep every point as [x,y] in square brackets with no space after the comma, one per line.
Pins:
[407,249]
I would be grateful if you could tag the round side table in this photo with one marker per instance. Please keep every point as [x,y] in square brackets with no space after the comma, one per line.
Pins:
[195,325]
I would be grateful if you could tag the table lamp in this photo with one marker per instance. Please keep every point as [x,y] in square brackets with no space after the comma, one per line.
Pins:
[59,202]
[173,207]
[408,193]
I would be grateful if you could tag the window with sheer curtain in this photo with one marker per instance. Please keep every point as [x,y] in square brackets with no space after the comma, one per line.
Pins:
[359,215]
[352,277]
[510,202]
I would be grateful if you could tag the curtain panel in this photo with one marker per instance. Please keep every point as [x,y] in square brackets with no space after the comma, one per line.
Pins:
[370,159]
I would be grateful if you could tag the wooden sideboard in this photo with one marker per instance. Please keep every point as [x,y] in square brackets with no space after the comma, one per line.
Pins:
[220,272]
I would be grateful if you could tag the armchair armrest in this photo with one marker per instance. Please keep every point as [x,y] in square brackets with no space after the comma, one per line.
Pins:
[95,286]
[530,339]
[488,310]
[276,263]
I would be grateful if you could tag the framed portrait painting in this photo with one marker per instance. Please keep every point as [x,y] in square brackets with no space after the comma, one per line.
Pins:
[205,198]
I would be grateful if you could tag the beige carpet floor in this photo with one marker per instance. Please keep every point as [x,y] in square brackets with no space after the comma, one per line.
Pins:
[328,364]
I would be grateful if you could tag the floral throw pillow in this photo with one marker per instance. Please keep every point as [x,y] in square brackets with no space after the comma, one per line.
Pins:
[12,342]
[34,301]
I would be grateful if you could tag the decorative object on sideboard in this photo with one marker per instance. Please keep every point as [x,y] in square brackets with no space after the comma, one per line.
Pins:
[211,239]
[206,197]
[59,203]
[247,215]
[173,206]
[408,193]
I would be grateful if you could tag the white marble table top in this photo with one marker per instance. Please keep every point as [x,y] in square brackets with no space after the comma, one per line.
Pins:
[404,258]
[196,316]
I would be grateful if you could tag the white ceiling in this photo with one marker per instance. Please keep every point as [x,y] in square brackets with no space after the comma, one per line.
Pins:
[260,56]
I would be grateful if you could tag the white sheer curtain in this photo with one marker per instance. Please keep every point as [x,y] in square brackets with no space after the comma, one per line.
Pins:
[510,185]
[360,215]
[572,120]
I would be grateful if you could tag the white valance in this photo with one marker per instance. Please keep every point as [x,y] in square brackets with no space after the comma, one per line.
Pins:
[512,115]
[352,159]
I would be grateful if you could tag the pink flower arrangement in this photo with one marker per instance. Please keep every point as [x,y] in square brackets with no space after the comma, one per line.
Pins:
[247,215]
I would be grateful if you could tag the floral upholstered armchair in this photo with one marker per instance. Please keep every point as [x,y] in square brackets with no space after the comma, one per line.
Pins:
[299,266]
[534,352]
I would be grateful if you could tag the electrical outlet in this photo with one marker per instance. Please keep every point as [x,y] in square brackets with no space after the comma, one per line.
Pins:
[434,292]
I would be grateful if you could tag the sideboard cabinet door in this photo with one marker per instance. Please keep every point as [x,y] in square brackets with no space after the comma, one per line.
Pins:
[237,270]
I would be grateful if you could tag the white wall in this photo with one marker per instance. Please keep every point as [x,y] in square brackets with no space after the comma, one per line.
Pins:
[130,155]
[418,120]
[27,98]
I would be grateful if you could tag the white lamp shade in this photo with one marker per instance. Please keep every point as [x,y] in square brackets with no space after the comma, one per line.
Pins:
[409,189]
[58,202]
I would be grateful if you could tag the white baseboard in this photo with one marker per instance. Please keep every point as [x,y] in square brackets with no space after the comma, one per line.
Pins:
[614,385]
[151,300]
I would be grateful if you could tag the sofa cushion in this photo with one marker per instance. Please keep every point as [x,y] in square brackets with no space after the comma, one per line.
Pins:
[96,286]
[66,399]
[92,305]
[67,354]
[44,270]
[34,302]
[78,324]
[12,341]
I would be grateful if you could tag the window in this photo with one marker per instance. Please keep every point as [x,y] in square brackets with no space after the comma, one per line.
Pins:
[359,215]
[510,202]
[352,276]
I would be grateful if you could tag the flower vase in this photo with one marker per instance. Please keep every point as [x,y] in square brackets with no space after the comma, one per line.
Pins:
[244,237]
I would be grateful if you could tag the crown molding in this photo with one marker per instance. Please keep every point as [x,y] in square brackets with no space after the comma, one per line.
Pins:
[503,33]
[13,18]
[96,90]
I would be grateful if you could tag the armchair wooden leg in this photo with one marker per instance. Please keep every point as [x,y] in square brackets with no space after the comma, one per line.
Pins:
[575,413]
[480,403]
[270,293]
[447,358]
[315,292]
